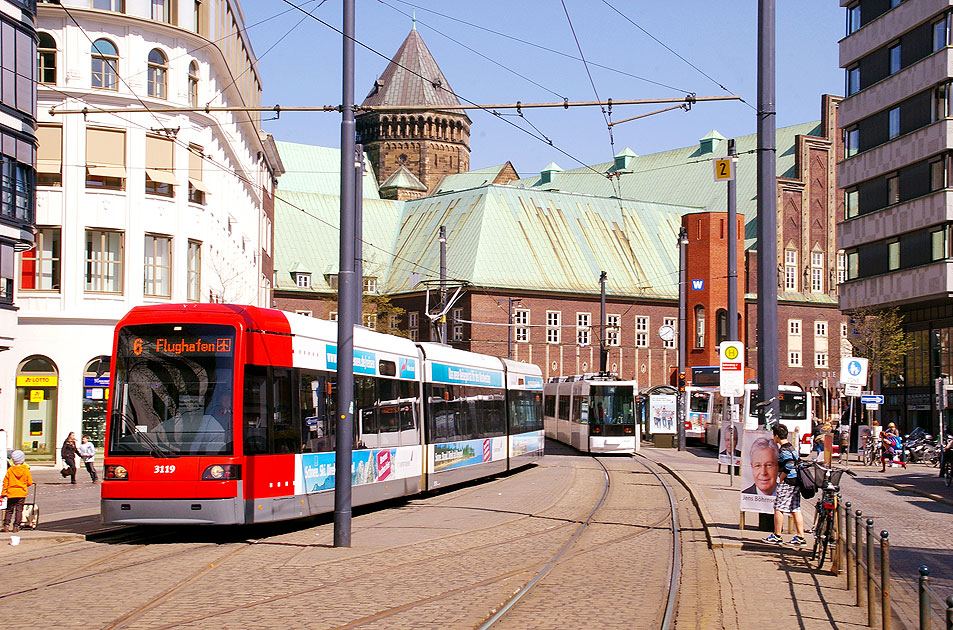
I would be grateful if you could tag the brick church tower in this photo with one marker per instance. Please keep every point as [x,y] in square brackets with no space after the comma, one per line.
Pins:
[431,142]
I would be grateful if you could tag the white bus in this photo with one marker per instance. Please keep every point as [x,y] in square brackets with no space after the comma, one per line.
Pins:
[796,409]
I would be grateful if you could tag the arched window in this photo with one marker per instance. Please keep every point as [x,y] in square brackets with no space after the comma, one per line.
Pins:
[95,398]
[105,59]
[699,326]
[157,72]
[46,59]
[721,326]
[194,84]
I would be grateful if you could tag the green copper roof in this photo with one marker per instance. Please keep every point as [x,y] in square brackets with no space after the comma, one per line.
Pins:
[470,179]
[682,176]
[403,178]
[315,169]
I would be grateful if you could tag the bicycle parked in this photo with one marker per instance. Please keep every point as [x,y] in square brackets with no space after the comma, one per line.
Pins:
[946,462]
[872,452]
[828,481]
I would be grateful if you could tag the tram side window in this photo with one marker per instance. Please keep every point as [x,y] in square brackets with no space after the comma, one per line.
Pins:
[285,437]
[316,414]
[563,405]
[255,410]
[577,409]
[525,411]
[549,406]
[408,409]
[365,405]
[494,416]
[388,394]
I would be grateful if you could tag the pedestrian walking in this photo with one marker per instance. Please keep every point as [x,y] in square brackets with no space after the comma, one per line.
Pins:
[787,499]
[69,452]
[87,450]
[16,483]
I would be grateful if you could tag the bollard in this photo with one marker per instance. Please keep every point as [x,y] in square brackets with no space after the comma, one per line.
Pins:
[851,554]
[949,613]
[871,592]
[885,611]
[924,598]
[859,538]
[838,533]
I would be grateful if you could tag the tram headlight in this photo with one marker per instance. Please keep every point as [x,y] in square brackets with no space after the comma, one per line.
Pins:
[115,472]
[222,472]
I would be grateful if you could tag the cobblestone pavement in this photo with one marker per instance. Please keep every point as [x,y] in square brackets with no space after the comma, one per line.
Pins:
[920,527]
[441,561]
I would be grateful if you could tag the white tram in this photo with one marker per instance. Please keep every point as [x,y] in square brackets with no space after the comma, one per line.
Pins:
[594,413]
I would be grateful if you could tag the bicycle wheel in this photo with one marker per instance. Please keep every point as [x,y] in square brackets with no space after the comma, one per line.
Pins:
[820,527]
[949,474]
[868,456]
[821,542]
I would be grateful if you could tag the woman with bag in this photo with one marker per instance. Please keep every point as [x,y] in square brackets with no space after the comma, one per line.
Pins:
[69,452]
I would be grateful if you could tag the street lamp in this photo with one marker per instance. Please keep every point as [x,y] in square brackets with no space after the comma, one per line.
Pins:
[682,333]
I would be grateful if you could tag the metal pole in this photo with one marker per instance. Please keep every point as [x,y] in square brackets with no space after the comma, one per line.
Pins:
[837,556]
[359,233]
[885,611]
[871,587]
[859,532]
[733,248]
[344,438]
[509,328]
[767,216]
[731,454]
[925,621]
[949,612]
[603,350]
[682,333]
[443,283]
[851,553]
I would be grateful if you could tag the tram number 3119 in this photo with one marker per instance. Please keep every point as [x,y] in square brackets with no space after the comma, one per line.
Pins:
[164,469]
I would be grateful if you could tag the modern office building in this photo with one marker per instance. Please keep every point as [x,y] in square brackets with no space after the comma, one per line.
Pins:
[137,207]
[895,180]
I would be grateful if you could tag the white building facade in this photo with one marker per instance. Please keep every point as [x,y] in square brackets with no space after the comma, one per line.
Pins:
[139,207]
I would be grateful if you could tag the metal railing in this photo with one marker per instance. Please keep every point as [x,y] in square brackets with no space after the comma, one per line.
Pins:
[868,572]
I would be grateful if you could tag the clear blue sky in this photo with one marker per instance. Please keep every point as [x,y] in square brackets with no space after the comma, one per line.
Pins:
[719,38]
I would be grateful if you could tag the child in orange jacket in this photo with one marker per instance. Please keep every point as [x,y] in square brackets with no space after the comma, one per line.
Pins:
[16,483]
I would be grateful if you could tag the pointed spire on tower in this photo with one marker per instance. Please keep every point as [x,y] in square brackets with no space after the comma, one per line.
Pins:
[414,20]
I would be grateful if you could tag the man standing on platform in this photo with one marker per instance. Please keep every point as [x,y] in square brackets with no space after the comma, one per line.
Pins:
[787,500]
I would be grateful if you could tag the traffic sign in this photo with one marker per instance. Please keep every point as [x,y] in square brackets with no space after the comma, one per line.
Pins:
[724,169]
[851,390]
[872,399]
[732,368]
[853,371]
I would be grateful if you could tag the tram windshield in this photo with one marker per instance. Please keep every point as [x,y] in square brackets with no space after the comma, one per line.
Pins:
[611,405]
[173,392]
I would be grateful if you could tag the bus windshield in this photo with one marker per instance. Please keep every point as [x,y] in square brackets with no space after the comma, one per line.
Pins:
[173,391]
[611,405]
[698,402]
[793,405]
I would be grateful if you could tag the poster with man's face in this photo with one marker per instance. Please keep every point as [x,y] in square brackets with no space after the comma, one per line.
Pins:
[730,431]
[759,471]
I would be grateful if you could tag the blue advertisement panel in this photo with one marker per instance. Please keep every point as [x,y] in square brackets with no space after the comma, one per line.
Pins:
[450,455]
[455,375]
[96,381]
[534,382]
[526,443]
[365,362]
[407,367]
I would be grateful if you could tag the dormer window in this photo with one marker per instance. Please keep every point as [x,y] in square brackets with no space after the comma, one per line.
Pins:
[370,285]
[303,280]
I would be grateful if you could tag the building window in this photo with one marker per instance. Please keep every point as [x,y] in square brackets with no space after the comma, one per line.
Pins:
[894,53]
[413,320]
[853,18]
[852,264]
[163,10]
[893,122]
[46,59]
[790,270]
[583,328]
[893,189]
[794,358]
[817,272]
[820,329]
[721,326]
[370,321]
[105,159]
[197,187]
[521,323]
[851,201]
[941,102]
[197,16]
[305,313]
[414,335]
[938,244]
[673,322]
[699,326]
[40,266]
[195,271]
[370,284]
[893,255]
[843,330]
[938,174]
[110,5]
[303,280]
[333,316]
[794,327]
[851,141]
[553,322]
[641,331]
[820,359]
[158,70]
[16,192]
[940,33]
[104,254]
[49,155]
[157,276]
[194,84]
[841,267]
[457,326]
[394,322]
[104,60]
[853,80]
[160,173]
[613,330]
